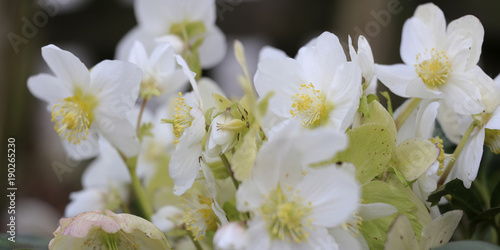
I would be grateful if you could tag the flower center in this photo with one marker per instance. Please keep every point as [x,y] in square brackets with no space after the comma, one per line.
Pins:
[434,69]
[492,140]
[309,106]
[286,218]
[182,118]
[199,216]
[73,117]
[149,88]
[439,143]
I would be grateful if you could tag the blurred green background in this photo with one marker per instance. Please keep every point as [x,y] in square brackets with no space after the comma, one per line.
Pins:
[91,29]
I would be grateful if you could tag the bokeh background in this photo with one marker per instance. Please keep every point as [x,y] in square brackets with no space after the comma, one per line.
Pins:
[92,28]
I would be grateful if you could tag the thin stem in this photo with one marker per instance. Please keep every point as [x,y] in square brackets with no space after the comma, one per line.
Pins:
[456,153]
[403,116]
[143,106]
[228,168]
[139,191]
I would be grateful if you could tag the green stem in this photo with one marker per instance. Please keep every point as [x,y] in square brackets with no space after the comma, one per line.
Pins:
[143,106]
[457,152]
[139,191]
[403,116]
[228,168]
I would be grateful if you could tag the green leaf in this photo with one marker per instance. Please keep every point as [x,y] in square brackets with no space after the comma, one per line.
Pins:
[467,245]
[193,60]
[414,156]
[370,149]
[231,211]
[495,196]
[145,130]
[461,198]
[245,154]
[485,216]
[403,199]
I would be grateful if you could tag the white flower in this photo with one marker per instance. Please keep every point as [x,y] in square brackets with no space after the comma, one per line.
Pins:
[318,87]
[189,129]
[182,24]
[231,235]
[292,204]
[167,218]
[105,183]
[364,59]
[160,73]
[84,103]
[439,61]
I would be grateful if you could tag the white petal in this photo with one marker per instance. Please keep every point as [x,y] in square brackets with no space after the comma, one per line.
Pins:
[283,77]
[207,89]
[417,88]
[344,239]
[416,37]
[85,150]
[450,123]
[116,85]
[330,190]
[249,195]
[213,49]
[344,94]
[258,236]
[86,200]
[49,88]
[167,218]
[400,235]
[467,163]
[440,230]
[127,42]
[433,17]
[396,77]
[376,210]
[319,144]
[462,96]
[66,66]
[268,52]
[156,16]
[408,129]
[468,28]
[494,122]
[426,117]
[107,170]
[487,87]
[184,165]
[121,134]
[138,55]
[320,60]
[318,239]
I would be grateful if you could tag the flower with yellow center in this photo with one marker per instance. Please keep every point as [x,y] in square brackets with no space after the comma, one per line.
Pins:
[85,104]
[161,74]
[439,61]
[318,88]
[292,207]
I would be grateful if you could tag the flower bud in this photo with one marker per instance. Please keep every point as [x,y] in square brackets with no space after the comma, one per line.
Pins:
[230,236]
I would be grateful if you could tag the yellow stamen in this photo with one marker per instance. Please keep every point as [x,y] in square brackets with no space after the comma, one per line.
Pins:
[199,216]
[73,117]
[433,71]
[439,143]
[310,106]
[287,218]
[182,118]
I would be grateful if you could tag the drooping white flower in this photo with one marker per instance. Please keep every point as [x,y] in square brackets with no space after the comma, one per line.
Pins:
[85,103]
[439,60]
[364,59]
[180,23]
[319,87]
[292,204]
[105,183]
[160,73]
[189,129]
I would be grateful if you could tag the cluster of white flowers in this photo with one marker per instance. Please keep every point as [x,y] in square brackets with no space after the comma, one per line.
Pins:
[311,160]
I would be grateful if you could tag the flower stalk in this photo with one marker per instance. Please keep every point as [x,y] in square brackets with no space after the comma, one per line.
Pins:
[401,119]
